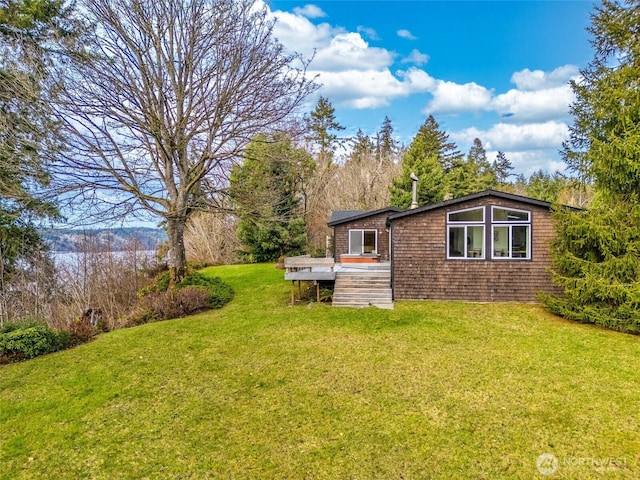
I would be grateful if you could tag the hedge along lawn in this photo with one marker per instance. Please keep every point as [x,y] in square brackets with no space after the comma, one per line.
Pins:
[263,390]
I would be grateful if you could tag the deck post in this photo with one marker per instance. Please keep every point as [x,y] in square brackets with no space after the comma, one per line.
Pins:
[317,291]
[293,295]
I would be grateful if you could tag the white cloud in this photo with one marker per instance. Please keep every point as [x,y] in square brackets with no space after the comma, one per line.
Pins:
[538,80]
[451,98]
[416,57]
[420,80]
[371,88]
[310,11]
[351,51]
[530,161]
[298,34]
[404,33]
[509,137]
[549,103]
[368,32]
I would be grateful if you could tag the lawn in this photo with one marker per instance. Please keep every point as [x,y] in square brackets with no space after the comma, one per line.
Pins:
[261,390]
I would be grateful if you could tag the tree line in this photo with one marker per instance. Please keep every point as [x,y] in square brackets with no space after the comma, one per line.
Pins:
[186,112]
[288,184]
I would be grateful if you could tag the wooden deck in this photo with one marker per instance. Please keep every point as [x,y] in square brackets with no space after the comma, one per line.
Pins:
[356,284]
[307,269]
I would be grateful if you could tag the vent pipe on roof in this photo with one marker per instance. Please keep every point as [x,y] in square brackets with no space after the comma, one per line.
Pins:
[414,196]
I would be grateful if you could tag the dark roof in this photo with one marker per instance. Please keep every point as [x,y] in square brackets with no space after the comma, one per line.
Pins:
[344,216]
[338,215]
[473,196]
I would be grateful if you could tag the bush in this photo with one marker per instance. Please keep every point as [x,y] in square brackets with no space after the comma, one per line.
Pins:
[28,342]
[81,331]
[220,293]
[195,293]
[20,325]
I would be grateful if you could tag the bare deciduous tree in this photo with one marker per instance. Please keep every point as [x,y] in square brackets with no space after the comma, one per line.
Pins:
[211,238]
[174,92]
[362,183]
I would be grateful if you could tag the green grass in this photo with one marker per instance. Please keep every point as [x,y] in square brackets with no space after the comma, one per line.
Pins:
[262,390]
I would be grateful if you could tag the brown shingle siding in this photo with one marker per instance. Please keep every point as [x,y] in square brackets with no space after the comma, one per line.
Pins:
[373,222]
[421,270]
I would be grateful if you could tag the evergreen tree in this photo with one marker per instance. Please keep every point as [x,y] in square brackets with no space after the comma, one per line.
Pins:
[321,125]
[267,189]
[473,174]
[33,35]
[546,187]
[502,168]
[362,147]
[386,145]
[596,251]
[437,141]
[424,158]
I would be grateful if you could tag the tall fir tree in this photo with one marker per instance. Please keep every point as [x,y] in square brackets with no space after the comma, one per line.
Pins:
[429,151]
[33,35]
[546,187]
[322,127]
[362,147]
[386,145]
[473,174]
[267,190]
[502,168]
[596,252]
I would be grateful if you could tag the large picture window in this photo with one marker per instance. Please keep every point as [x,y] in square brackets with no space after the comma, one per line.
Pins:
[363,242]
[511,233]
[465,234]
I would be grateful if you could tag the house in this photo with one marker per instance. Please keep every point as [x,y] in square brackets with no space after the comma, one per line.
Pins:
[488,246]
[361,236]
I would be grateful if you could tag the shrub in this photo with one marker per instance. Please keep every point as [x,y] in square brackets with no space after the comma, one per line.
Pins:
[31,341]
[20,325]
[193,299]
[220,293]
[160,284]
[81,331]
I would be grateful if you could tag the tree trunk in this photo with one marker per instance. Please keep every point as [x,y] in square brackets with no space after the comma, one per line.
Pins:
[177,256]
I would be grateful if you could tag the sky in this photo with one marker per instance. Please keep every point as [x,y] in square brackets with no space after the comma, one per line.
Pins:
[497,71]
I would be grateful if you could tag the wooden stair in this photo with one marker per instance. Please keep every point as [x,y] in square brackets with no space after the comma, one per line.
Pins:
[363,289]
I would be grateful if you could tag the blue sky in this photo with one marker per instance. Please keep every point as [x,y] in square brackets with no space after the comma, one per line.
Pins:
[498,71]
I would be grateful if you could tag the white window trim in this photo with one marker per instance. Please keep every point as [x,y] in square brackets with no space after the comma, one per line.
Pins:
[375,231]
[510,224]
[498,207]
[463,222]
[466,247]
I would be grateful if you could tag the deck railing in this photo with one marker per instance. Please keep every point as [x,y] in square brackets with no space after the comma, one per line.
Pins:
[306,268]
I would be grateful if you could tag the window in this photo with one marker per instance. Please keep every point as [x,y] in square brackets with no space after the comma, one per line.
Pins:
[511,237]
[465,234]
[363,241]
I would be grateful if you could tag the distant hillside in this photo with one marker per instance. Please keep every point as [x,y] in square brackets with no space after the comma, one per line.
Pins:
[106,239]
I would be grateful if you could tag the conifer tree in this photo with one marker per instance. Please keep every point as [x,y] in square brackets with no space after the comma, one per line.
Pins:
[473,174]
[428,153]
[321,127]
[267,190]
[502,168]
[33,35]
[386,145]
[596,251]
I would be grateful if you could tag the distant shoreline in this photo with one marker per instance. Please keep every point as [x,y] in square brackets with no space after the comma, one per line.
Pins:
[103,240]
